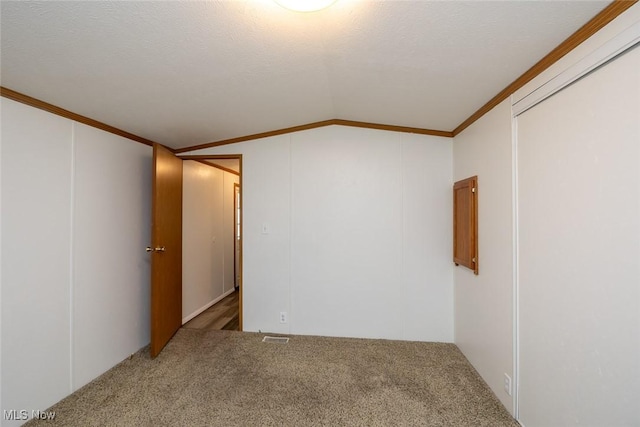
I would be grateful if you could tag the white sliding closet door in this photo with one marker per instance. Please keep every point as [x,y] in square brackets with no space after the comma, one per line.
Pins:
[579,251]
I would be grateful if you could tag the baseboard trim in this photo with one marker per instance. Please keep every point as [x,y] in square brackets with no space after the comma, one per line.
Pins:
[206,306]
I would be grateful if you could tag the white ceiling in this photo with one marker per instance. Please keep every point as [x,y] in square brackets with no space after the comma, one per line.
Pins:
[187,73]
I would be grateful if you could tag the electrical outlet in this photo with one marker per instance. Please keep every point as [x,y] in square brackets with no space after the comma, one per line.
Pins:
[283,317]
[507,384]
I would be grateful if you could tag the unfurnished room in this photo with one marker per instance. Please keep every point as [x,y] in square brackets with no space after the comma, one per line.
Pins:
[320,212]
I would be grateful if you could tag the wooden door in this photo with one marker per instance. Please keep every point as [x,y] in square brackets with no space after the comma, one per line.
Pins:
[166,248]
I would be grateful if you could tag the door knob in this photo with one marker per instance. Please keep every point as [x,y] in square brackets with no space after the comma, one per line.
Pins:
[157,249]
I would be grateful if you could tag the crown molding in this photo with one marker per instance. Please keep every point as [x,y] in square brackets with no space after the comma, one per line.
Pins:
[255,136]
[393,128]
[606,15]
[36,103]
[314,125]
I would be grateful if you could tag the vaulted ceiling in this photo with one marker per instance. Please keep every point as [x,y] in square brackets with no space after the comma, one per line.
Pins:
[184,73]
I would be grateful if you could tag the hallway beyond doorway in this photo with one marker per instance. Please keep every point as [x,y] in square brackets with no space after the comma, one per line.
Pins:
[221,316]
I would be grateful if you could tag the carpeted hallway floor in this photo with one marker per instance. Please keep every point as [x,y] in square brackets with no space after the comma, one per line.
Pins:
[228,378]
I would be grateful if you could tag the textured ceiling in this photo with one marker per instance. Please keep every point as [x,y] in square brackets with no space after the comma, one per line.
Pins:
[187,73]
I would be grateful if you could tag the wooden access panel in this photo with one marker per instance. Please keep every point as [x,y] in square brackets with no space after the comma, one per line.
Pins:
[465,223]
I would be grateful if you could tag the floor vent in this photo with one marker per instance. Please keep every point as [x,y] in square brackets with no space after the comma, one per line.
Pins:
[277,340]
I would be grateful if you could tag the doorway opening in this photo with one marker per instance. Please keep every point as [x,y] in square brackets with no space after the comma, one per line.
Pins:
[225,310]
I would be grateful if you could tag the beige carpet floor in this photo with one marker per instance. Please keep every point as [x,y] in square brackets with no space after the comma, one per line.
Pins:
[228,378]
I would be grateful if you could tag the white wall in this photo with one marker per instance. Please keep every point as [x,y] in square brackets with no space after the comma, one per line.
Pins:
[111,217]
[348,231]
[579,250]
[207,237]
[266,198]
[427,242]
[74,273]
[36,263]
[483,303]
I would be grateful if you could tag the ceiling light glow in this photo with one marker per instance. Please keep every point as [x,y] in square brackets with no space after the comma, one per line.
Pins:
[305,5]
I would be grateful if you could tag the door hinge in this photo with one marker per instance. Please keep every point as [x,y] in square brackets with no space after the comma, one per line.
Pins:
[473,189]
[473,260]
